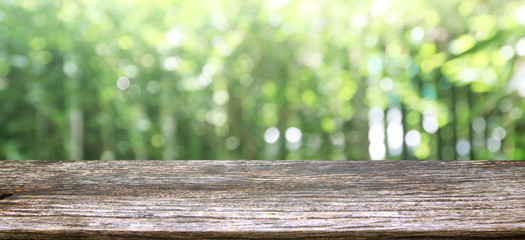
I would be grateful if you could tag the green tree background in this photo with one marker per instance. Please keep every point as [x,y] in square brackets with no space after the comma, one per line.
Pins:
[239,79]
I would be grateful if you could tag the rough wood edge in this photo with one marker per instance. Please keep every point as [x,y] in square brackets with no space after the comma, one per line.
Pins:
[115,234]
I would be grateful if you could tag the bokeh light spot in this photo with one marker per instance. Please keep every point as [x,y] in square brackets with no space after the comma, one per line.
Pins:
[221,97]
[293,134]
[463,147]
[520,47]
[232,143]
[479,124]
[157,140]
[377,151]
[413,138]
[123,83]
[271,135]
[171,63]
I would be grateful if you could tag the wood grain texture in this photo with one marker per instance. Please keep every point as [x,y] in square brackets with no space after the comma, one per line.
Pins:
[262,199]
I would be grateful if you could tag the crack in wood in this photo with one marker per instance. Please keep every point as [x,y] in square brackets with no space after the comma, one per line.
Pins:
[5,195]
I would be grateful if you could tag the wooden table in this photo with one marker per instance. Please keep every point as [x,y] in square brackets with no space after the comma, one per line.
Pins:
[262,199]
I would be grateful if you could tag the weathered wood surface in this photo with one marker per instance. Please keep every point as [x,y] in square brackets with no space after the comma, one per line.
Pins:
[262,199]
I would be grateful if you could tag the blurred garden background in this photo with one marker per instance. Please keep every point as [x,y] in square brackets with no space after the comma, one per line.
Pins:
[278,79]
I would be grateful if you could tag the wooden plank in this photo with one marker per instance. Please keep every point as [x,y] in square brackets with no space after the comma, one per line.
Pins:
[262,199]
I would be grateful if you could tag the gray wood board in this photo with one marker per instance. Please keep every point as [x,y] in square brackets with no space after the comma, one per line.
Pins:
[262,199]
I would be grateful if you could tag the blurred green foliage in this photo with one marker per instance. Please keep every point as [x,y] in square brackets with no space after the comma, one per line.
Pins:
[384,79]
